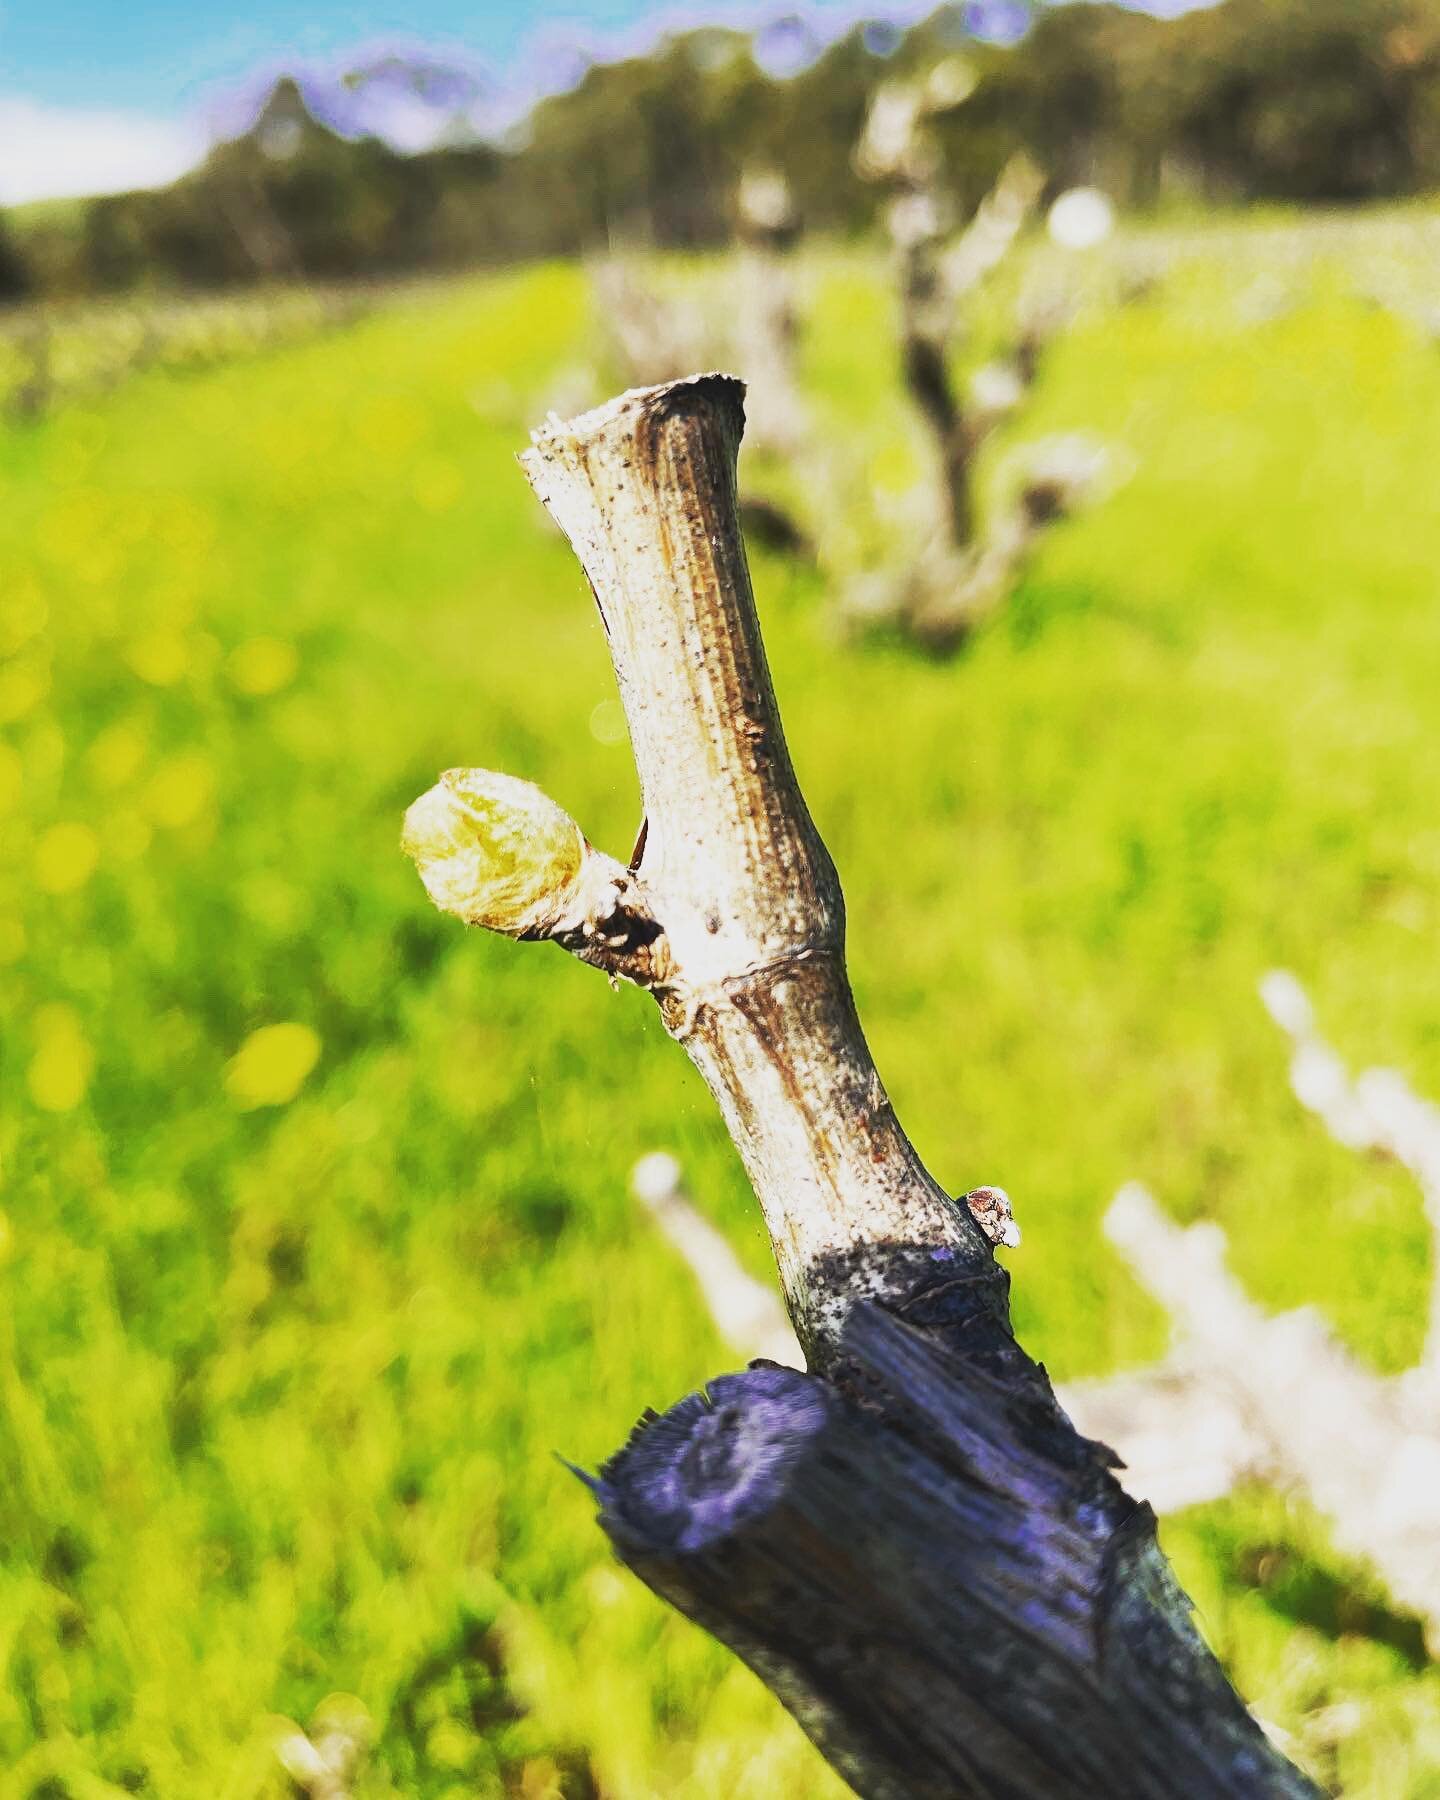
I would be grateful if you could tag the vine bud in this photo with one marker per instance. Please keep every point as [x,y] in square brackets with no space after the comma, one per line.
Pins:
[495,851]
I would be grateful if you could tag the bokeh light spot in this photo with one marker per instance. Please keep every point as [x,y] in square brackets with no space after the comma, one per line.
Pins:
[66,857]
[23,685]
[270,1067]
[262,665]
[12,778]
[180,790]
[63,1061]
[116,755]
[607,723]
[160,657]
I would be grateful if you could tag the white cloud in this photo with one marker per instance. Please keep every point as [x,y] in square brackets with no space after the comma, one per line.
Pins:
[57,152]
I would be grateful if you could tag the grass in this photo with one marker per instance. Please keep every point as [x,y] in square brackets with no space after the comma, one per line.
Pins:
[291,1325]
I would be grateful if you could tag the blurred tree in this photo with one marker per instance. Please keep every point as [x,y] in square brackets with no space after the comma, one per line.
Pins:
[1329,100]
[1289,99]
[817,120]
[647,150]
[1075,92]
[15,276]
[114,252]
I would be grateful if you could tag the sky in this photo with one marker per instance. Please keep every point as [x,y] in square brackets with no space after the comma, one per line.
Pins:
[102,95]
[98,96]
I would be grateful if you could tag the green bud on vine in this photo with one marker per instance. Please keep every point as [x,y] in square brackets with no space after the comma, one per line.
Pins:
[494,850]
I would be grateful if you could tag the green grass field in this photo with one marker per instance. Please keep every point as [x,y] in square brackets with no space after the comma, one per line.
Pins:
[292,1324]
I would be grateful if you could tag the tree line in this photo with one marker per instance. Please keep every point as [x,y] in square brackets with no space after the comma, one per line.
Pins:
[1291,100]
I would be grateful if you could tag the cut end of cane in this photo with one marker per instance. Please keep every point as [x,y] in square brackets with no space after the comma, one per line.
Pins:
[494,850]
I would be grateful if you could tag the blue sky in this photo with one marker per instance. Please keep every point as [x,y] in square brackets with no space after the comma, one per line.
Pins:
[97,95]
[160,56]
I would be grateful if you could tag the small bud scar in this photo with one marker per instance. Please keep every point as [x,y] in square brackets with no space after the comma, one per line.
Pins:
[991,1211]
